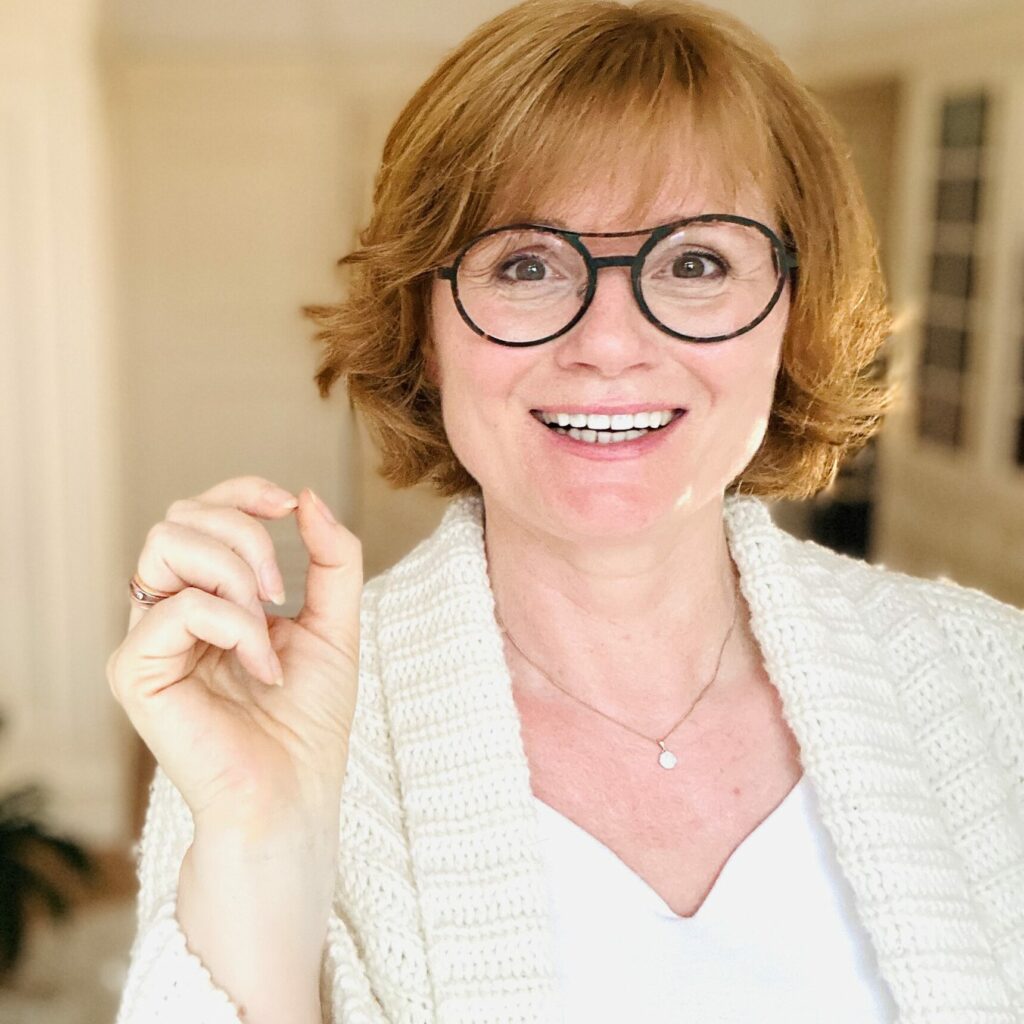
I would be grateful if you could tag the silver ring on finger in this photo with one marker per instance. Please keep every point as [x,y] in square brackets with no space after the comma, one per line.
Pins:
[143,594]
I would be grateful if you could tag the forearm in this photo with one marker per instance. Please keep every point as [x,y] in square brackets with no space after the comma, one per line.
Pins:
[256,915]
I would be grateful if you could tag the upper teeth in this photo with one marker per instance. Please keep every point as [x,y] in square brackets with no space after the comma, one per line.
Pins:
[600,421]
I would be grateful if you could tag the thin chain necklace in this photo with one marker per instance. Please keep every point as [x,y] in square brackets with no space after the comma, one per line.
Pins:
[666,758]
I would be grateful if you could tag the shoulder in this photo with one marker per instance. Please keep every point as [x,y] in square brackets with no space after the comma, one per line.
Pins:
[982,637]
[953,650]
[962,607]
[954,622]
[963,613]
[941,638]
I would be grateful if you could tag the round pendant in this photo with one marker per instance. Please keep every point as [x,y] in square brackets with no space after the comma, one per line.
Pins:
[667,759]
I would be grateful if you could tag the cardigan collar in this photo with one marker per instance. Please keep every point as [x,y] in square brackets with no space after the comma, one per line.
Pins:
[465,780]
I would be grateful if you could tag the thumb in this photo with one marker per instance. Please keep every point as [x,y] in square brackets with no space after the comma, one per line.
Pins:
[334,580]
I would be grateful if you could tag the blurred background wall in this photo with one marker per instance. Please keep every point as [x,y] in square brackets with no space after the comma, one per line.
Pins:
[176,180]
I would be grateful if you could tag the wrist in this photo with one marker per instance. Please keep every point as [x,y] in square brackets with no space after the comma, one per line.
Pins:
[267,831]
[258,921]
[288,882]
[290,861]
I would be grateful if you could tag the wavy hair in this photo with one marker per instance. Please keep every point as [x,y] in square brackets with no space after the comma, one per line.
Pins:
[509,118]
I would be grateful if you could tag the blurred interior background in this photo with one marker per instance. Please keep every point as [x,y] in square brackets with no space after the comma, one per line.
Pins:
[176,180]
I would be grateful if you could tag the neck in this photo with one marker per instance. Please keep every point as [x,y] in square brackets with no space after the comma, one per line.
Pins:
[633,628]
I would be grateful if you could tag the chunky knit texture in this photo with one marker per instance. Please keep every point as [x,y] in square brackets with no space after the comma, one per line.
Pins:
[906,697]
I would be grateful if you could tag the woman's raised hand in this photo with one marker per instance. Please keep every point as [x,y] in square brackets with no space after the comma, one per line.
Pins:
[195,672]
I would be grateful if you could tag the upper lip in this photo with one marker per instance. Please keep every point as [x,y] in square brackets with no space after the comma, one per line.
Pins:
[609,410]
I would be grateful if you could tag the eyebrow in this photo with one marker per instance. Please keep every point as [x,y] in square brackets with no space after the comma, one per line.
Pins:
[533,218]
[553,221]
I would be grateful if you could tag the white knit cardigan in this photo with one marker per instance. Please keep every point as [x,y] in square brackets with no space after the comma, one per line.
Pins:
[906,697]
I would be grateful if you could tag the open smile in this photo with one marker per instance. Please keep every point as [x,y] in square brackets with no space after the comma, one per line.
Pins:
[604,428]
[609,435]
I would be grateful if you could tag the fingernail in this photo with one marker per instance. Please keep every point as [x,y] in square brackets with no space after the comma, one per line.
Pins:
[283,499]
[272,583]
[324,510]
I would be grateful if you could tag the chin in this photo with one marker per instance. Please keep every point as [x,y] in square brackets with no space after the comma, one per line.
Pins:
[610,511]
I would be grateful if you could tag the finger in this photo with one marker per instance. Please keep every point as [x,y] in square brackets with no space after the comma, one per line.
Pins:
[334,580]
[241,533]
[175,557]
[253,494]
[158,653]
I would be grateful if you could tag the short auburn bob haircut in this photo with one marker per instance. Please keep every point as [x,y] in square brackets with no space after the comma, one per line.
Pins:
[552,91]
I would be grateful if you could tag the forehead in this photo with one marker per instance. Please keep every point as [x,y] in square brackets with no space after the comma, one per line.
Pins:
[629,192]
[601,211]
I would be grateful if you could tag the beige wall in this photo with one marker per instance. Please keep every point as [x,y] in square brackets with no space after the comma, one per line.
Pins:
[241,181]
[60,517]
[231,185]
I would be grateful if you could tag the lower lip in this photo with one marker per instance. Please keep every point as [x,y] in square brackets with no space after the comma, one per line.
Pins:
[613,450]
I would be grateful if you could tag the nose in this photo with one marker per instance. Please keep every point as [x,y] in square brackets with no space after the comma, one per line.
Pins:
[613,335]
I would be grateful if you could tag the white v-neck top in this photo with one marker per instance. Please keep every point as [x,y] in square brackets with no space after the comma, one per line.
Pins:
[776,941]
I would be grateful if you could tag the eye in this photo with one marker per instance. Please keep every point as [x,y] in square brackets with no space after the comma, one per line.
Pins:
[524,268]
[693,265]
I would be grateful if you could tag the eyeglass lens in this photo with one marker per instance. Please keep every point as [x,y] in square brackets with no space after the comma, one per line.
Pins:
[703,280]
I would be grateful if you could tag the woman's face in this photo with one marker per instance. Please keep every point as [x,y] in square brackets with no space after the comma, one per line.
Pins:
[612,360]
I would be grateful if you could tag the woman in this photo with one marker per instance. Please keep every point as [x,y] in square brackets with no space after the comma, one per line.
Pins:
[618,746]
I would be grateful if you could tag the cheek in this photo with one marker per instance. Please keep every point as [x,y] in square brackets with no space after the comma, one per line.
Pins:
[747,413]
[759,360]
[740,389]
[741,381]
[758,393]
[754,440]
[476,379]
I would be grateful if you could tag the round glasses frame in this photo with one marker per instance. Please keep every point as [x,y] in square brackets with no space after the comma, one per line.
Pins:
[785,261]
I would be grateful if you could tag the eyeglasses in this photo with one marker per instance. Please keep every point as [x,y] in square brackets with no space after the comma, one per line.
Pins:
[702,279]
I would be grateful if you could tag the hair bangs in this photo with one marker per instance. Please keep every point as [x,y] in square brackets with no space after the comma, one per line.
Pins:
[630,127]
